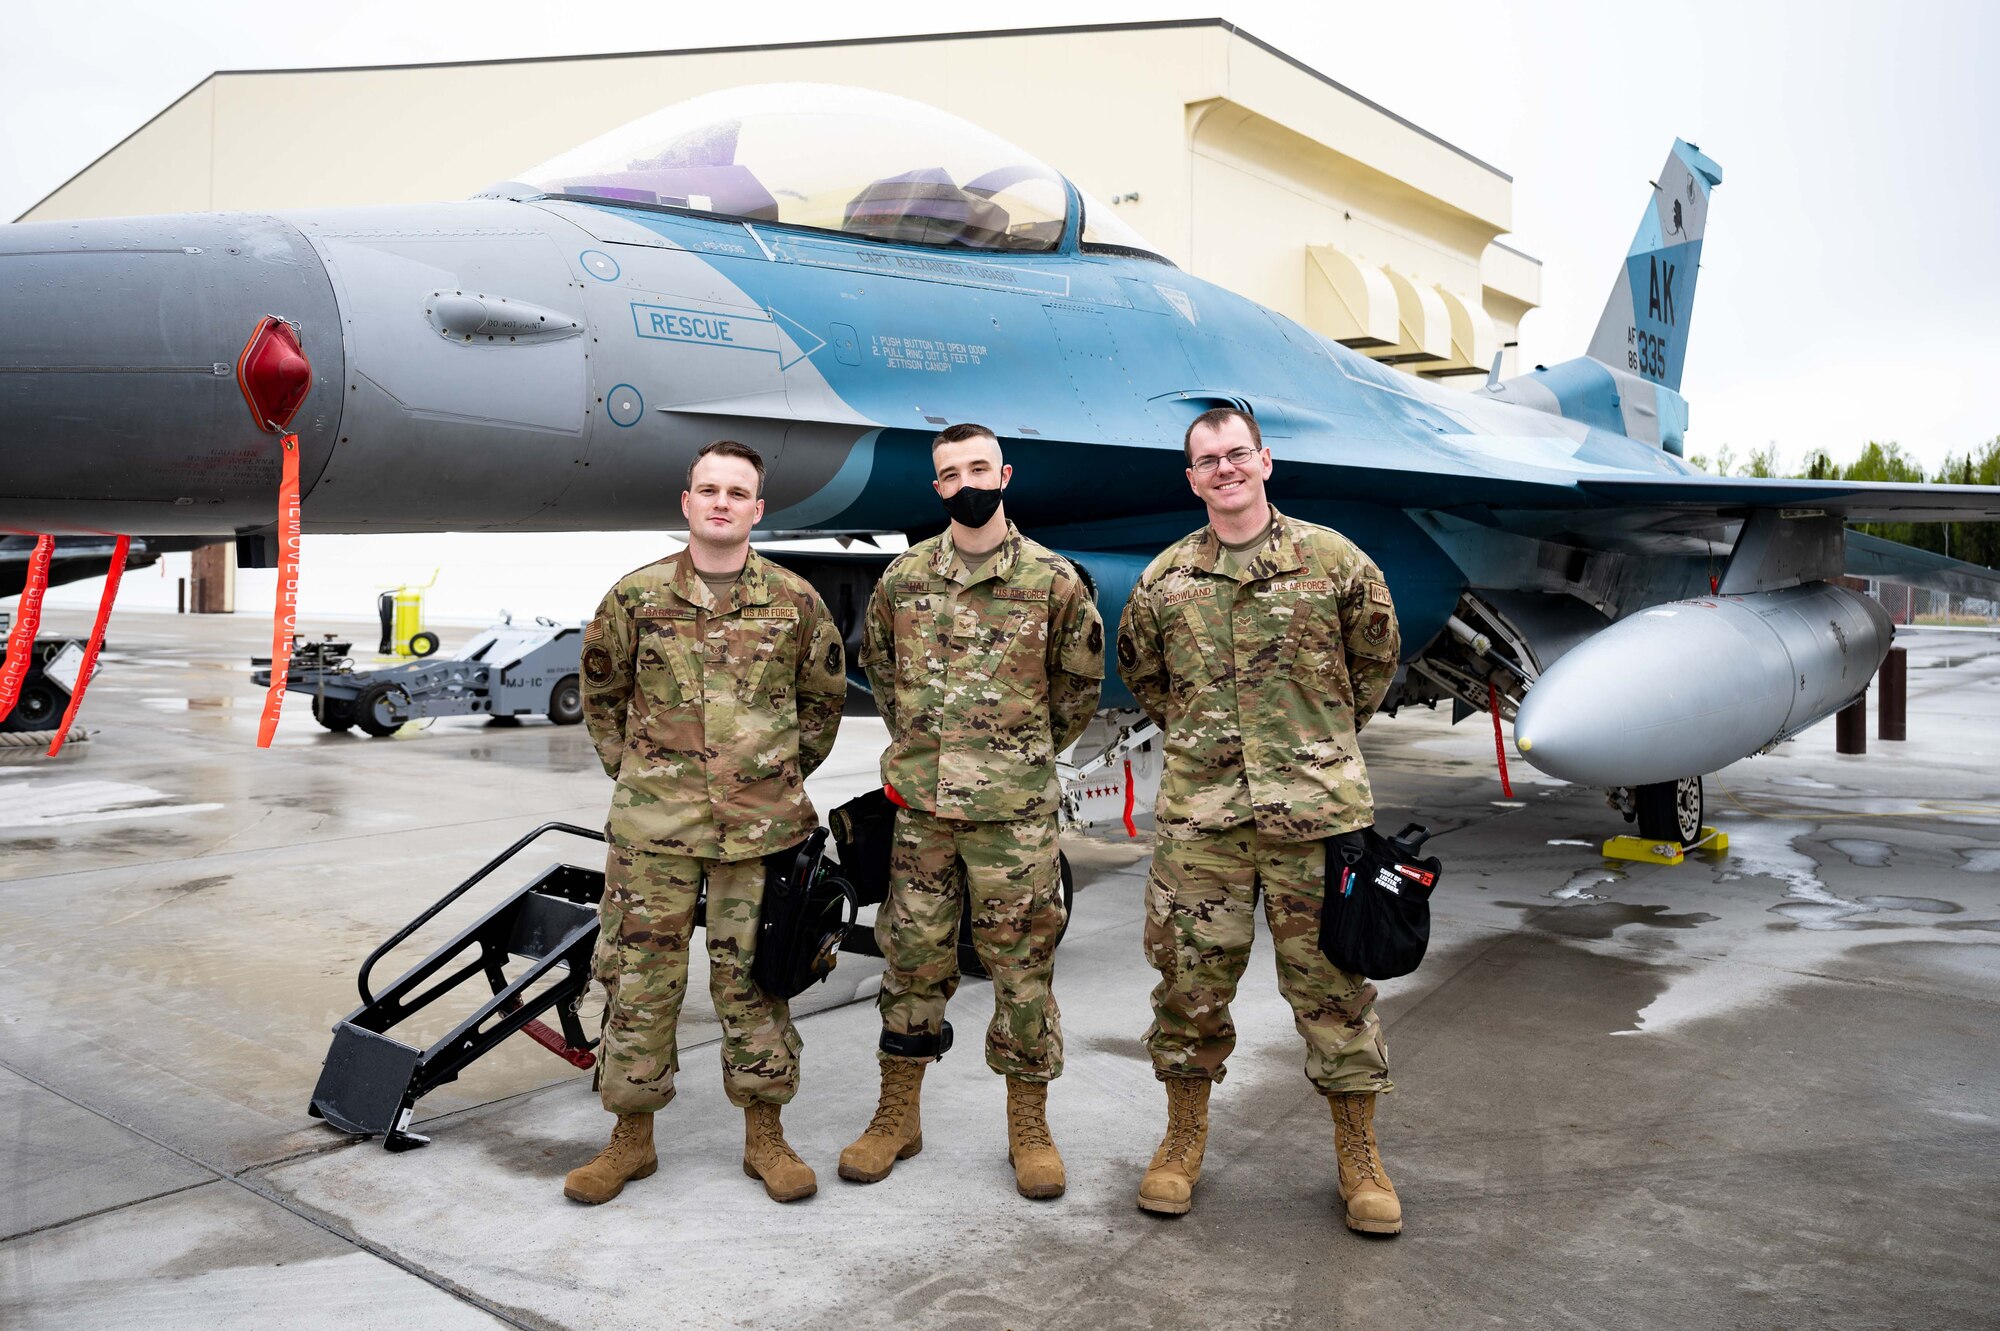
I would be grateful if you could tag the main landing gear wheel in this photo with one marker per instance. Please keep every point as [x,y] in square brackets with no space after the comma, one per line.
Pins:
[566,702]
[1670,810]
[382,708]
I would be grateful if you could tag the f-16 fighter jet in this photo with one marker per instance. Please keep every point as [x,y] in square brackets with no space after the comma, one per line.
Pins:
[831,276]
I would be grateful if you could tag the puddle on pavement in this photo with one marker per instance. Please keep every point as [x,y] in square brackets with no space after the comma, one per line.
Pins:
[1981,861]
[1580,883]
[1923,905]
[62,803]
[1804,782]
[1863,854]
[194,885]
[1600,919]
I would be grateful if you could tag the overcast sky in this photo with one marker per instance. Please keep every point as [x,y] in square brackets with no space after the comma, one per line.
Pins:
[1850,274]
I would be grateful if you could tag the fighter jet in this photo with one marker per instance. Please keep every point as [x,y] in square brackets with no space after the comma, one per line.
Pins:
[832,275]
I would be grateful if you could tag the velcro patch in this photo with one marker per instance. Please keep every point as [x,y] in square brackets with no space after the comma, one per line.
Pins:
[1199,591]
[593,632]
[1310,585]
[664,612]
[1379,593]
[770,612]
[919,586]
[1020,594]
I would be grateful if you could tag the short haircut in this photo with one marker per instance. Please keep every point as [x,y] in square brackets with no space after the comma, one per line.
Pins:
[958,434]
[729,448]
[1214,419]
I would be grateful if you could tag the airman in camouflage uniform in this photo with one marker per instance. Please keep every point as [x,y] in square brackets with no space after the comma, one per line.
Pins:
[1260,645]
[985,666]
[710,697]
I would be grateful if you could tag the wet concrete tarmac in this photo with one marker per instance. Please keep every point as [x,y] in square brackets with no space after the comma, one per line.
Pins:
[1756,1089]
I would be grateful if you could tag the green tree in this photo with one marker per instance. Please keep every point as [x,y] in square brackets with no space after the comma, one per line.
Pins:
[1978,542]
[1761,462]
[1722,464]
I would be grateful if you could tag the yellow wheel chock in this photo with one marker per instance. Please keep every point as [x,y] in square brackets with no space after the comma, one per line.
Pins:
[1643,851]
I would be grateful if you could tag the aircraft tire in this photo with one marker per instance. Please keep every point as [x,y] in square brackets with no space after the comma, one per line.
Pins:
[376,712]
[1670,810]
[566,702]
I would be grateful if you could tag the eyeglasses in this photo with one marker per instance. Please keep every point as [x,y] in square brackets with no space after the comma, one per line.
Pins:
[1235,457]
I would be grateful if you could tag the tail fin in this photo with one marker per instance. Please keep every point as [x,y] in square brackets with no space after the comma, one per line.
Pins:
[1645,325]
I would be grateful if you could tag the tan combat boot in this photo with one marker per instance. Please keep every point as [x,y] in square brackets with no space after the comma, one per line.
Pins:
[897,1130]
[768,1156]
[1168,1187]
[1038,1168]
[1372,1207]
[629,1156]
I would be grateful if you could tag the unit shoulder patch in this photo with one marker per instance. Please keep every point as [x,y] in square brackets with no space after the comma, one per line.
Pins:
[1377,629]
[597,665]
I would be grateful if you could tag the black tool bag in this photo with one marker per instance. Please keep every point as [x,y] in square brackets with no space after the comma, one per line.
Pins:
[865,828]
[1376,919]
[807,911]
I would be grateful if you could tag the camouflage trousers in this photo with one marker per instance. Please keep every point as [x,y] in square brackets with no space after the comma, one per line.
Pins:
[1017,915]
[647,920]
[1201,902]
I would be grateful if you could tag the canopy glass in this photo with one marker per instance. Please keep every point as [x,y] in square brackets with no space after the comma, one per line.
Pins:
[851,160]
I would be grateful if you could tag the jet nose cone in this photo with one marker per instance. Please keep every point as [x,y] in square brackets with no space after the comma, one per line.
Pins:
[123,358]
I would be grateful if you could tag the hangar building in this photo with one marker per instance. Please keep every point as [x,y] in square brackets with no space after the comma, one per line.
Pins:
[1240,163]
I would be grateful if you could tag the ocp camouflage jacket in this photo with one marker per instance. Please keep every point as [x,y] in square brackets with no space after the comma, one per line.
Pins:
[1261,681]
[711,713]
[982,684]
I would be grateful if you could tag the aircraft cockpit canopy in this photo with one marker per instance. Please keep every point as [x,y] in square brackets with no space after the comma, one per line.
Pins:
[842,159]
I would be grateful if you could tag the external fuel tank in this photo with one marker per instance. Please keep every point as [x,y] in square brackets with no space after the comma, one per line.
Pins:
[1687,688]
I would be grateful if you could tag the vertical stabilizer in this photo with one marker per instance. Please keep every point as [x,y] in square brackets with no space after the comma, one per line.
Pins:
[1645,324]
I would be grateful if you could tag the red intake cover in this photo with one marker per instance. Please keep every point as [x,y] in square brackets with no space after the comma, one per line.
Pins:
[274,374]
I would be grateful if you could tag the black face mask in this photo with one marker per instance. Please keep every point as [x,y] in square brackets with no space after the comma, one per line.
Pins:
[973,507]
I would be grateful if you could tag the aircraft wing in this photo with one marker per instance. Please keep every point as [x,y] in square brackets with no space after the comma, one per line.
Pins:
[1660,515]
[1856,501]
[1872,557]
